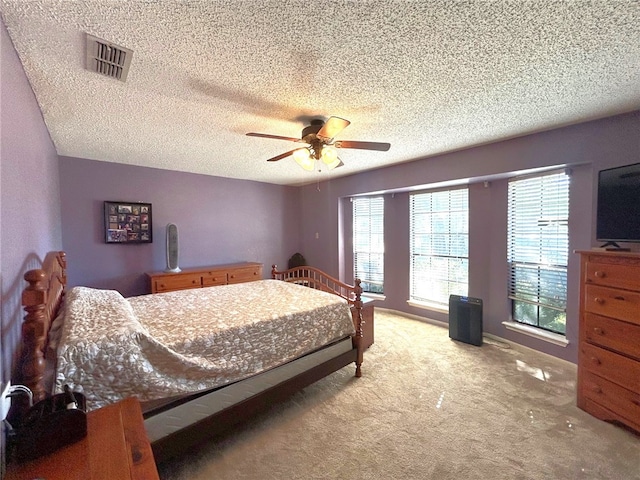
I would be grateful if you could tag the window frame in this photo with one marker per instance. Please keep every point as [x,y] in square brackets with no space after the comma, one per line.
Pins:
[537,290]
[372,277]
[457,264]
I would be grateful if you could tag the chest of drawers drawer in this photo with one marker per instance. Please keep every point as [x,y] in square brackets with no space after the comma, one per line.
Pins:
[616,368]
[211,279]
[612,302]
[613,275]
[621,337]
[242,275]
[177,282]
[611,396]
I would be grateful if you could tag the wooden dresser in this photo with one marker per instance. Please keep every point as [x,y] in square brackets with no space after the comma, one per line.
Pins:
[205,276]
[609,353]
[115,448]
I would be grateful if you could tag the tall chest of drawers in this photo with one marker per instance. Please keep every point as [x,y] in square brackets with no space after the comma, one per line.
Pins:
[609,352]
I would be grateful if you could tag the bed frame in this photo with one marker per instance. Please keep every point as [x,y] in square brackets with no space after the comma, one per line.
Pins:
[314,278]
[44,295]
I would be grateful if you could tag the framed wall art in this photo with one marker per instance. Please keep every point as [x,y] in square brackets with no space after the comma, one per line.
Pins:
[127,222]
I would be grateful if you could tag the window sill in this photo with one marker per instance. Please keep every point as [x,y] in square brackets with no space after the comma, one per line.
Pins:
[434,307]
[543,335]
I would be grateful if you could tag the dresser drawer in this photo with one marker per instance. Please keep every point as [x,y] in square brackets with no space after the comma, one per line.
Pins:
[620,400]
[177,282]
[249,274]
[210,279]
[620,336]
[611,275]
[613,303]
[618,369]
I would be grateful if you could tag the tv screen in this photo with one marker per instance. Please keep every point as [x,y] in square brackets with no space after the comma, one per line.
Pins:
[618,214]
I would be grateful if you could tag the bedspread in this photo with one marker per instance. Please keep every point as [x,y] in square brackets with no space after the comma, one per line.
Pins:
[160,345]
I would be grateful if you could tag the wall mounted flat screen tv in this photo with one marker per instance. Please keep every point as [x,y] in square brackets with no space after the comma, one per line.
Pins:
[618,214]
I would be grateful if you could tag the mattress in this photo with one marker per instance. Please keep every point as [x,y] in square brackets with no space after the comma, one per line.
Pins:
[162,345]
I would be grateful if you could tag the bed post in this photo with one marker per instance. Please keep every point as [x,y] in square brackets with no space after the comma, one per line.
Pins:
[42,299]
[34,332]
[359,343]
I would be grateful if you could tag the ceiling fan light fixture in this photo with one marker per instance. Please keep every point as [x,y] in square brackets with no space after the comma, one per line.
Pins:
[302,156]
[329,154]
[329,157]
[334,164]
[320,137]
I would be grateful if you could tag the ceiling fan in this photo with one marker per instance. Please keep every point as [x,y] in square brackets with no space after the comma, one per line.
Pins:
[320,137]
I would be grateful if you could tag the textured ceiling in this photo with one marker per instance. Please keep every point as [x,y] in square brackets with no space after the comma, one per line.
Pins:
[428,77]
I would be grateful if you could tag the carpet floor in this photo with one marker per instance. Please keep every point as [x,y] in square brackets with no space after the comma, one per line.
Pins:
[426,407]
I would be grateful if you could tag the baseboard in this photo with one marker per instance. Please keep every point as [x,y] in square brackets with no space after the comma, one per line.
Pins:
[414,317]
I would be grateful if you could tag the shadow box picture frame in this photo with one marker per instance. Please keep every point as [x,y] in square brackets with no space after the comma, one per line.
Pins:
[127,222]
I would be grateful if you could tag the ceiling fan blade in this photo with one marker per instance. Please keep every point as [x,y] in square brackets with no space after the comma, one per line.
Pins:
[277,137]
[332,127]
[379,146]
[281,156]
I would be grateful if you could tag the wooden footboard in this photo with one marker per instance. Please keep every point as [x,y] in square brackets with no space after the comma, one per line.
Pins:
[313,278]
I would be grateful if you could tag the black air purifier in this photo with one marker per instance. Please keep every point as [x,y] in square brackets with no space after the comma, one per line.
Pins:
[465,319]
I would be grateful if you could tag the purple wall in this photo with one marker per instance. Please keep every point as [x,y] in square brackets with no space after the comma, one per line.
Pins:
[239,220]
[587,148]
[30,222]
[219,220]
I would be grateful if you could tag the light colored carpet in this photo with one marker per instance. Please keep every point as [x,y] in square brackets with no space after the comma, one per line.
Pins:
[426,407]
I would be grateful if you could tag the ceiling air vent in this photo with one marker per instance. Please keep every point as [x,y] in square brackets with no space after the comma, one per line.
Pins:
[108,59]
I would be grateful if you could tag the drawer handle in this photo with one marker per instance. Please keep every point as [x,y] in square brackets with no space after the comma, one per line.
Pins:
[600,274]
[635,402]
[598,330]
[595,360]
[162,285]
[596,389]
[619,297]
[194,282]
[599,300]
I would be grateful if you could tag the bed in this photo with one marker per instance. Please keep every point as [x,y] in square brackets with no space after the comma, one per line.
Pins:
[203,401]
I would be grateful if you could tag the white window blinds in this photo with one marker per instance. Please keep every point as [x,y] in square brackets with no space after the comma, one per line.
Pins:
[439,249]
[537,251]
[368,243]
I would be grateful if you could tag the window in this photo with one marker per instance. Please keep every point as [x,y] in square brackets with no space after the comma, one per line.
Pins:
[368,243]
[439,236]
[537,252]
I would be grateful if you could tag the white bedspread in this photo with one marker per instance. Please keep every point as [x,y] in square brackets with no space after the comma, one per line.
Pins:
[156,346]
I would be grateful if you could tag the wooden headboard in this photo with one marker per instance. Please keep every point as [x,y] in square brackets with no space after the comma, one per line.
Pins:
[42,300]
